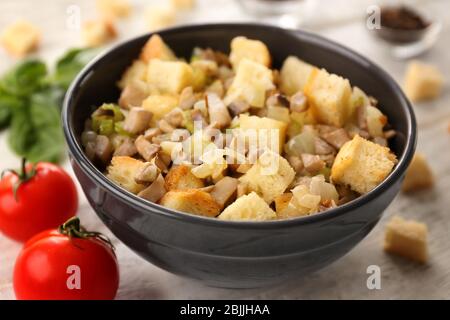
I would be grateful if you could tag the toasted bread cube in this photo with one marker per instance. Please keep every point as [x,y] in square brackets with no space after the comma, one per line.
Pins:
[20,38]
[255,50]
[160,105]
[422,81]
[156,48]
[183,4]
[192,201]
[362,164]
[97,32]
[250,84]
[248,207]
[112,9]
[159,16]
[169,76]
[133,94]
[407,238]
[269,176]
[136,72]
[123,170]
[282,201]
[265,129]
[181,178]
[418,175]
[294,75]
[329,97]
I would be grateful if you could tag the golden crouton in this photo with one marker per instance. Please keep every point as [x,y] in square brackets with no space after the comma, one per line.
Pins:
[294,75]
[20,38]
[133,94]
[269,176]
[159,16]
[136,72]
[180,177]
[193,201]
[160,105]
[97,32]
[407,238]
[422,81]
[329,97]
[123,170]
[156,48]
[282,201]
[418,175]
[255,50]
[183,4]
[112,9]
[265,129]
[248,207]
[250,84]
[169,76]
[362,164]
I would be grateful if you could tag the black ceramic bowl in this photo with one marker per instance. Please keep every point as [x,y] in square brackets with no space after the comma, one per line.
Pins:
[236,254]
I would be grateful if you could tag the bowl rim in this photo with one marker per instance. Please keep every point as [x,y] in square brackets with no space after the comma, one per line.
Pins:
[89,169]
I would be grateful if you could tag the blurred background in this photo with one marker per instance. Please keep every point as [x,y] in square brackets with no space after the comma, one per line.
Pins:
[353,23]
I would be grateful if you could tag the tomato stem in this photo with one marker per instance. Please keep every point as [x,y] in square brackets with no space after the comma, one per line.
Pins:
[73,229]
[23,176]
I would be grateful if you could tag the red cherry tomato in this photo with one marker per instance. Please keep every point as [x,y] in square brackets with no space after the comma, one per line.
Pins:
[45,197]
[66,264]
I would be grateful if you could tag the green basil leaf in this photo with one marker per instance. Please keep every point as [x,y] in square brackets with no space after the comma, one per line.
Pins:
[24,79]
[7,104]
[21,133]
[70,65]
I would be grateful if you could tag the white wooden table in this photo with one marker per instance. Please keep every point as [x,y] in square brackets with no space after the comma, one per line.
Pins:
[346,278]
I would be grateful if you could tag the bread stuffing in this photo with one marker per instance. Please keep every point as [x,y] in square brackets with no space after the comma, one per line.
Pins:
[229,136]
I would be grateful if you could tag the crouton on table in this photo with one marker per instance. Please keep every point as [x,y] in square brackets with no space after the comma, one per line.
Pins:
[97,32]
[407,238]
[418,175]
[422,81]
[362,165]
[20,38]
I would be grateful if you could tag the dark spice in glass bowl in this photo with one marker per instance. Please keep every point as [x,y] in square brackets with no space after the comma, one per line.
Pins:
[402,18]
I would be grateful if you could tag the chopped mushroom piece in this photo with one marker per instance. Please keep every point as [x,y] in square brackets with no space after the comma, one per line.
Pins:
[277,100]
[361,117]
[336,138]
[237,107]
[133,94]
[155,191]
[137,120]
[147,173]
[312,162]
[174,117]
[296,163]
[217,110]
[103,148]
[149,134]
[146,149]
[242,189]
[389,134]
[298,102]
[381,141]
[126,148]
[187,98]
[165,126]
[322,147]
[224,189]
